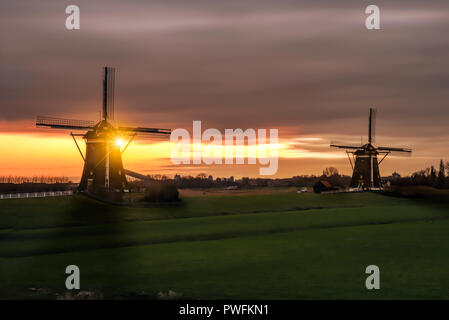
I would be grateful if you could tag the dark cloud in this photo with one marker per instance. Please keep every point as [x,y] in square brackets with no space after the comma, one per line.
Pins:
[308,66]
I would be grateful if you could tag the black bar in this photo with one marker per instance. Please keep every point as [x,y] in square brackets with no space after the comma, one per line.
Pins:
[277,309]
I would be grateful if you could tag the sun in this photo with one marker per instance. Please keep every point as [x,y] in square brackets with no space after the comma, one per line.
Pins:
[119,142]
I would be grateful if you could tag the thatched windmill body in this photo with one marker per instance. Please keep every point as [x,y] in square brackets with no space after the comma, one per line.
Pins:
[103,167]
[364,162]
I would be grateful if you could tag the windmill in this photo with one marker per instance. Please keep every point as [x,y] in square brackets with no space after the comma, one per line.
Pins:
[364,162]
[103,167]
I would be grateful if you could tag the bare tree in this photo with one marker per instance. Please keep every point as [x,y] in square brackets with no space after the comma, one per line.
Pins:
[330,171]
[201,176]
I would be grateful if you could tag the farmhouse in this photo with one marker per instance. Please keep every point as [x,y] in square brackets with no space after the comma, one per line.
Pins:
[323,185]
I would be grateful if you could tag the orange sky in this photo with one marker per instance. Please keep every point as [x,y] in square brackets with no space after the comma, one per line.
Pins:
[40,152]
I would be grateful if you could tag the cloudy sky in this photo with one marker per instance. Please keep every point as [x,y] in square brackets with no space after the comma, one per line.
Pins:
[309,68]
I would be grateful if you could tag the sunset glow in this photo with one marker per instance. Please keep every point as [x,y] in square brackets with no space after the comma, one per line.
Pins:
[119,142]
[56,154]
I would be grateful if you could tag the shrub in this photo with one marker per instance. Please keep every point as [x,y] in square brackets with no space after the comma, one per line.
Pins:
[161,192]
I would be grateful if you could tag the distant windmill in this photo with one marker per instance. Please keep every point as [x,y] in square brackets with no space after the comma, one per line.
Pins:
[103,167]
[366,167]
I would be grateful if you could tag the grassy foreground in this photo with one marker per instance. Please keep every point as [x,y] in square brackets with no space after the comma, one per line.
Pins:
[270,246]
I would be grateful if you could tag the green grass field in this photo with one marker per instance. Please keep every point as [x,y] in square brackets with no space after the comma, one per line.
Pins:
[261,246]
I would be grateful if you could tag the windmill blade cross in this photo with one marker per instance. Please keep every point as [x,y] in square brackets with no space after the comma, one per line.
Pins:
[103,166]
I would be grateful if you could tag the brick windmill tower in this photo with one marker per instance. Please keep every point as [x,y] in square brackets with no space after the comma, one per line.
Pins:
[366,174]
[103,167]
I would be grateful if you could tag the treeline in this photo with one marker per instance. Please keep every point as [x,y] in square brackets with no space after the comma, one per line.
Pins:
[429,176]
[203,181]
[21,184]
[33,179]
[329,174]
[335,180]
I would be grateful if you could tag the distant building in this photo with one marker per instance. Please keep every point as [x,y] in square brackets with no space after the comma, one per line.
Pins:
[253,183]
[323,185]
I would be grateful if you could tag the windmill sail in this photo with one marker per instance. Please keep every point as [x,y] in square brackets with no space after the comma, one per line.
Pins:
[144,130]
[372,125]
[108,93]
[392,149]
[345,145]
[61,123]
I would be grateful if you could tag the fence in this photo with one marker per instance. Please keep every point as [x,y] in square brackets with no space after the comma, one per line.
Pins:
[35,194]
